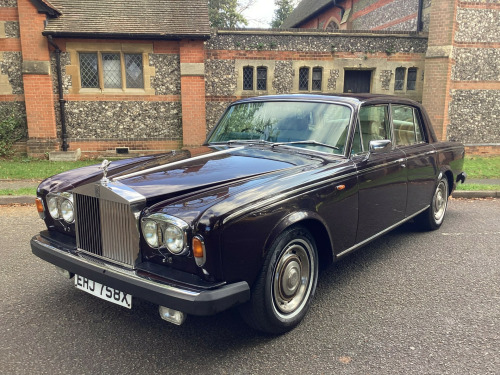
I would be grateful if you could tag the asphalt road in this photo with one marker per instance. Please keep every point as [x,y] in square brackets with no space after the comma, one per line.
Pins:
[409,303]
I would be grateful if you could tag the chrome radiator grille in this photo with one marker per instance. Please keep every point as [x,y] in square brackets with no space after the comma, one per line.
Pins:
[106,229]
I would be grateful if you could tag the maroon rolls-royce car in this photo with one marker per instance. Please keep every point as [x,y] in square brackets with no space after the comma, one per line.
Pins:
[283,185]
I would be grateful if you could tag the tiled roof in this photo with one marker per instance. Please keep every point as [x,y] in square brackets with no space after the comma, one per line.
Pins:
[130,18]
[304,10]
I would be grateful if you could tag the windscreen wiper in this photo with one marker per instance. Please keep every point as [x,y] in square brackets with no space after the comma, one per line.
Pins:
[309,142]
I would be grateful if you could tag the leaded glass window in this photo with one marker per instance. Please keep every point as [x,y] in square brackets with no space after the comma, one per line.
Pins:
[133,71]
[304,79]
[111,69]
[248,78]
[88,70]
[261,78]
[399,82]
[412,79]
[317,76]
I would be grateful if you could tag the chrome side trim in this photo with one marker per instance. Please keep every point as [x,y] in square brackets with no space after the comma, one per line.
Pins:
[161,167]
[126,273]
[358,245]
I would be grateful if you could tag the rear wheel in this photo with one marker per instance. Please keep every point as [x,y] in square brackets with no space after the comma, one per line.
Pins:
[432,218]
[283,291]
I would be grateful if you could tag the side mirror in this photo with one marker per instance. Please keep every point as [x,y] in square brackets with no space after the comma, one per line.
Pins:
[383,145]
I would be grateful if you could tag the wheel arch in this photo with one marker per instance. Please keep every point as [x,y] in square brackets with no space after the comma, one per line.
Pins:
[314,224]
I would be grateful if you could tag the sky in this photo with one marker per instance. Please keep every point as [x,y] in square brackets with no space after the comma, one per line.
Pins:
[260,14]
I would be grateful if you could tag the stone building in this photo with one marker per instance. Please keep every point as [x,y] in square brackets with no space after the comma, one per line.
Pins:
[150,75]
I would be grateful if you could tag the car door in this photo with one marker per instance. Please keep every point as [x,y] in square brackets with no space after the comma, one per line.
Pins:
[381,175]
[420,156]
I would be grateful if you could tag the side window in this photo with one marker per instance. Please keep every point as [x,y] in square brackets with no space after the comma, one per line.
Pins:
[406,124]
[374,124]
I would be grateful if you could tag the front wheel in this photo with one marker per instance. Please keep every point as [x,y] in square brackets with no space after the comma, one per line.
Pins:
[283,291]
[432,218]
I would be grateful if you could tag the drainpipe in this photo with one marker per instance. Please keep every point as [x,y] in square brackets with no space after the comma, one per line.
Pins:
[419,16]
[62,102]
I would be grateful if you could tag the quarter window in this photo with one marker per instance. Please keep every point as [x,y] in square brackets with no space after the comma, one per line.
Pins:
[104,70]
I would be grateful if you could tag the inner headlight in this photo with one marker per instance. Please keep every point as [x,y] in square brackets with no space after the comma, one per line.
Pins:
[174,239]
[60,206]
[165,231]
[67,211]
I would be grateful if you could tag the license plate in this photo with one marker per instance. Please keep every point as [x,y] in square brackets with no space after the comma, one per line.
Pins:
[102,291]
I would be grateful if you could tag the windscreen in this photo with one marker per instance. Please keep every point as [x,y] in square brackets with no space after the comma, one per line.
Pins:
[287,123]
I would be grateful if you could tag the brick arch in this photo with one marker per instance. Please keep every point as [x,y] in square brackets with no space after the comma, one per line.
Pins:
[332,24]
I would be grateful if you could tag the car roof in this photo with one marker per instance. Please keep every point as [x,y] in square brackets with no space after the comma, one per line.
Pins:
[354,99]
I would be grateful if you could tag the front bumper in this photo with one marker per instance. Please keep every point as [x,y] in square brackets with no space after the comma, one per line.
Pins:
[191,300]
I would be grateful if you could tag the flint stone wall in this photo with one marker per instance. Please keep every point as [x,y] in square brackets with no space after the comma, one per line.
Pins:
[320,42]
[167,78]
[11,66]
[8,3]
[478,25]
[12,29]
[122,120]
[474,116]
[380,16]
[476,64]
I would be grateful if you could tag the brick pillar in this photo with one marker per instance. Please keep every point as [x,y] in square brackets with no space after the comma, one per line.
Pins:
[438,64]
[192,57]
[38,92]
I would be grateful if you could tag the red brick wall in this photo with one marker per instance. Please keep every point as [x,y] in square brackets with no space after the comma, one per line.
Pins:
[436,95]
[193,95]
[37,87]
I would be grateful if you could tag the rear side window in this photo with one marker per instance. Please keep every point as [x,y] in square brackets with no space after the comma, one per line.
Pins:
[406,125]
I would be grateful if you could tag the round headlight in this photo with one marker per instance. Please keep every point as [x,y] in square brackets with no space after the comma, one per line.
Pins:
[150,232]
[67,211]
[53,208]
[174,239]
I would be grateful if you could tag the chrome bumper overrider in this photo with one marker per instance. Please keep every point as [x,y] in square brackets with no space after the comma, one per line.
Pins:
[195,301]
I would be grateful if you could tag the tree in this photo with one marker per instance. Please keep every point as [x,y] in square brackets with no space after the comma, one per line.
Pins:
[225,13]
[284,9]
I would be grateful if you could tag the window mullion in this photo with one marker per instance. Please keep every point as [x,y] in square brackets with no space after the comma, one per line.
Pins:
[122,71]
[100,70]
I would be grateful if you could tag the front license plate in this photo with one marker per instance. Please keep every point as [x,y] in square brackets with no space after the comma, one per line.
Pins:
[102,291]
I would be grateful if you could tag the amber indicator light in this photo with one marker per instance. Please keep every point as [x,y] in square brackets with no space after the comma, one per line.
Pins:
[39,205]
[340,187]
[197,248]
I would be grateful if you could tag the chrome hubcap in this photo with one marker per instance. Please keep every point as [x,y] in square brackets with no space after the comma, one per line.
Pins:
[292,278]
[439,203]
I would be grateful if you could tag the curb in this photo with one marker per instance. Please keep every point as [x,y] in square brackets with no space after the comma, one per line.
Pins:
[17,199]
[30,199]
[476,194]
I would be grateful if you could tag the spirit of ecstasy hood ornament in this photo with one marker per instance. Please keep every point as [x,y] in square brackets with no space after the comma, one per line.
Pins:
[104,166]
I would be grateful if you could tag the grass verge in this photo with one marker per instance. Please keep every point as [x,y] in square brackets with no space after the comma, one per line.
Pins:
[34,169]
[21,191]
[477,187]
[482,166]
